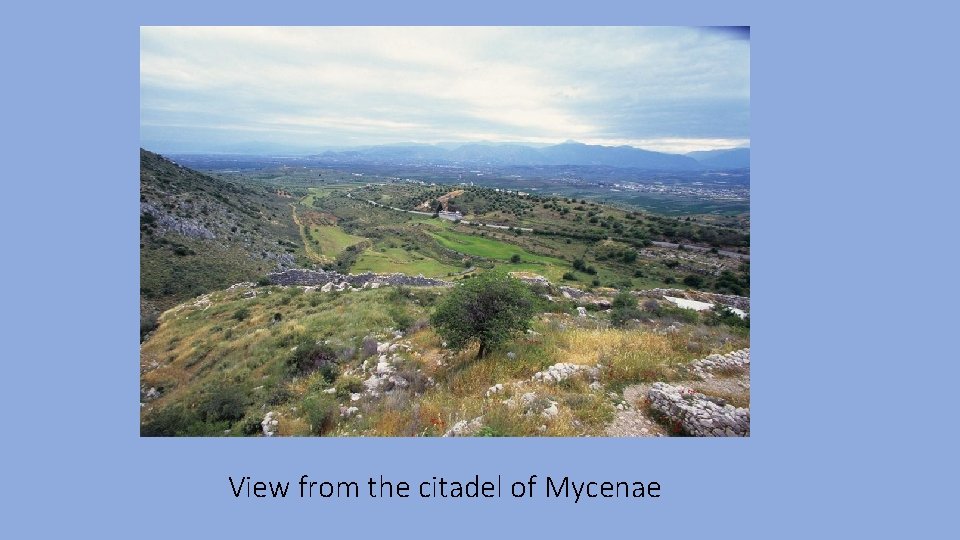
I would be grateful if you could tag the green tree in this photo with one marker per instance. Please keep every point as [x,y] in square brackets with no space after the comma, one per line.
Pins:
[485,310]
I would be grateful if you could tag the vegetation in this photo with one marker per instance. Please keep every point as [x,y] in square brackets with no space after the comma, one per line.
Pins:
[486,310]
[213,365]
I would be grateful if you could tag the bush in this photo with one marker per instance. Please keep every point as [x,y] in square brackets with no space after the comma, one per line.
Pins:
[569,276]
[322,412]
[310,356]
[368,347]
[401,318]
[624,309]
[693,281]
[223,401]
[347,385]
[148,323]
[624,299]
[724,315]
[280,395]
[169,422]
[486,310]
[515,258]
[241,314]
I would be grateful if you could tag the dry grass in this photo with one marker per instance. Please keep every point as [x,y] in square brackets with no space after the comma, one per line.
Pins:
[198,345]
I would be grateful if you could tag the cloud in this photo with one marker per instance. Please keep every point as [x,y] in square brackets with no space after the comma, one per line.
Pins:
[204,89]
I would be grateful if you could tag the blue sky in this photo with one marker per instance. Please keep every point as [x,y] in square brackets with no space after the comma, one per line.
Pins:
[299,90]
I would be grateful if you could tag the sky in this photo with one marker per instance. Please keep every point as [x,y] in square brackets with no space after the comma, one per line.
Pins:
[297,90]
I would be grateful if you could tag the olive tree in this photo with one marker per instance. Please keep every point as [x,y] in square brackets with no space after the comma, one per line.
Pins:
[486,309]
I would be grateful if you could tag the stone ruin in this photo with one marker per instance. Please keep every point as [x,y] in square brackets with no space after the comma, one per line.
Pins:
[302,276]
[696,414]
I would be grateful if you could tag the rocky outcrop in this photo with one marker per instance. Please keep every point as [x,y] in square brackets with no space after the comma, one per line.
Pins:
[734,361]
[269,424]
[465,428]
[563,371]
[696,414]
[731,300]
[166,222]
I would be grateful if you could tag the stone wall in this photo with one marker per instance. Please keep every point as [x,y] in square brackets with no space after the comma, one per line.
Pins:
[301,276]
[696,414]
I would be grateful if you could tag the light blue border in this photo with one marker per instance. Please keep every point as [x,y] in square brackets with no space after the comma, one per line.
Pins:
[837,189]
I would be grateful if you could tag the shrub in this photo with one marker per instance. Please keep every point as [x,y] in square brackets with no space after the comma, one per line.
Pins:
[148,323]
[569,276]
[169,422]
[322,412]
[241,314]
[624,309]
[624,299]
[515,258]
[223,401]
[368,347]
[310,356]
[693,281]
[724,315]
[401,318]
[280,394]
[347,385]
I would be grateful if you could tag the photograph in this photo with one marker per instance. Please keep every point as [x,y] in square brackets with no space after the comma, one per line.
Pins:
[444,231]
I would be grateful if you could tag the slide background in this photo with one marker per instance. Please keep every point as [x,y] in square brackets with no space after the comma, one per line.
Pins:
[853,135]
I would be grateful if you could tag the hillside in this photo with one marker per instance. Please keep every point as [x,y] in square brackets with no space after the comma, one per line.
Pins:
[298,301]
[199,234]
[347,361]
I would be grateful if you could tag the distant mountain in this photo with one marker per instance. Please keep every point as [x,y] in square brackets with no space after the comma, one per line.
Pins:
[574,153]
[737,158]
[568,153]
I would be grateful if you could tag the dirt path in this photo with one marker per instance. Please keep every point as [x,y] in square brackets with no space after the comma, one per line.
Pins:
[632,421]
[311,254]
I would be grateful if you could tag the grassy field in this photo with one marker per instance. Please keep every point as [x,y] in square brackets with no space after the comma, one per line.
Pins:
[400,260]
[488,248]
[331,240]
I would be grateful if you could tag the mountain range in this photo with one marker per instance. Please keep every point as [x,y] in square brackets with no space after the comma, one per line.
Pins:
[567,153]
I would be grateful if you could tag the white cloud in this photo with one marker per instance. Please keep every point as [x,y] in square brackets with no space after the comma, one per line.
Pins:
[601,85]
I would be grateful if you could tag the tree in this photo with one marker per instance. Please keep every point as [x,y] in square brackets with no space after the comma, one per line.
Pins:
[486,310]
